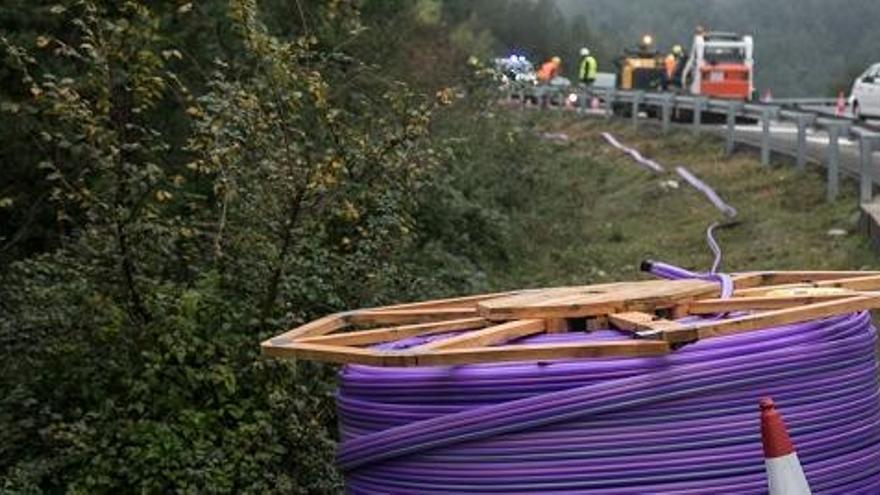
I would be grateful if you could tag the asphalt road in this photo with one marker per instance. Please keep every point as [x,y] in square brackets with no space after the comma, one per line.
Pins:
[784,141]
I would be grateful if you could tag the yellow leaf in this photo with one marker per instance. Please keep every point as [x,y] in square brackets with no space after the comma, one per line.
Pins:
[42,41]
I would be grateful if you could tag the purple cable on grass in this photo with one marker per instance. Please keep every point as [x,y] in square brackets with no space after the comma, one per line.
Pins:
[633,153]
[704,188]
[685,423]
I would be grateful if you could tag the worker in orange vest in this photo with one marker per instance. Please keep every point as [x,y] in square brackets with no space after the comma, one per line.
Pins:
[671,63]
[549,70]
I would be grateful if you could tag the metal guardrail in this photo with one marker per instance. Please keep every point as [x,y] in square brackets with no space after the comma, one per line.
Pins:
[805,101]
[666,105]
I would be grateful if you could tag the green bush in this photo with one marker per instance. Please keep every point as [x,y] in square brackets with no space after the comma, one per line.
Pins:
[194,198]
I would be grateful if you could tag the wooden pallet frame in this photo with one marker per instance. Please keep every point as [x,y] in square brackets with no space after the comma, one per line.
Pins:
[647,309]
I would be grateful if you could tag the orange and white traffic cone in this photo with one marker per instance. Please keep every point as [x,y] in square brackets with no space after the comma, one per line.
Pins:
[841,104]
[784,473]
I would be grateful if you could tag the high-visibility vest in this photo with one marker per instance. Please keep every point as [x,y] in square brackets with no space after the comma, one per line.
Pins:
[547,72]
[670,62]
[589,67]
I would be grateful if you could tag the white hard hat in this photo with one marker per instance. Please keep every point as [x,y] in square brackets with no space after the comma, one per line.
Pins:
[585,52]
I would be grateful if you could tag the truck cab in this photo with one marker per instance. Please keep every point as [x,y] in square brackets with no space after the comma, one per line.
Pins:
[721,65]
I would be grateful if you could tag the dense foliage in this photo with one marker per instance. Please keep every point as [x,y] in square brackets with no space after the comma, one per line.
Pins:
[183,180]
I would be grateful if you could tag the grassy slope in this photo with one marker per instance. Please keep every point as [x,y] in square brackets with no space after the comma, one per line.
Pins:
[593,214]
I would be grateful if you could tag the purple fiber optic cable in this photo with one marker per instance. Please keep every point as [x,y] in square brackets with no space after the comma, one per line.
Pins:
[685,423]
[633,153]
[711,195]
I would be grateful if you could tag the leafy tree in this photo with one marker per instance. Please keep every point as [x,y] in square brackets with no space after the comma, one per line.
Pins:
[210,175]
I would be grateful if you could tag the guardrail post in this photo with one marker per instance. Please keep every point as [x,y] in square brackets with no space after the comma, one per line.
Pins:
[765,136]
[667,111]
[636,104]
[833,162]
[609,102]
[731,128]
[866,155]
[699,104]
[801,159]
[587,98]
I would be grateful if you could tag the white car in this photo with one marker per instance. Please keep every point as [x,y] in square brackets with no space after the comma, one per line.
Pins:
[865,99]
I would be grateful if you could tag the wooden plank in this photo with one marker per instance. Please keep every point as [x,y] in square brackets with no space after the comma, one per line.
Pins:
[712,306]
[597,323]
[450,357]
[794,277]
[538,297]
[388,334]
[864,282]
[630,321]
[325,353]
[868,282]
[403,316]
[490,335]
[541,352]
[556,325]
[452,301]
[321,326]
[760,291]
[691,333]
[589,302]
[636,321]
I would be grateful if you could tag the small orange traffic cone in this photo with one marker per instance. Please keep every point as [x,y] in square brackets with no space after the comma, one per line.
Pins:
[784,473]
[841,104]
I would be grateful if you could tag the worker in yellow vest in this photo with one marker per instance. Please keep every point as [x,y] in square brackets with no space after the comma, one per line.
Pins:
[588,67]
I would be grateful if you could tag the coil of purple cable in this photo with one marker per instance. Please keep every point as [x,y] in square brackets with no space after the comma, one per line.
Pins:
[685,423]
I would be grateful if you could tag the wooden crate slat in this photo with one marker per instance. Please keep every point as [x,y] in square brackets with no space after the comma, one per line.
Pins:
[635,321]
[452,301]
[771,319]
[793,277]
[403,316]
[635,295]
[651,309]
[869,282]
[495,334]
[712,306]
[865,282]
[388,334]
[321,326]
[542,352]
[326,353]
